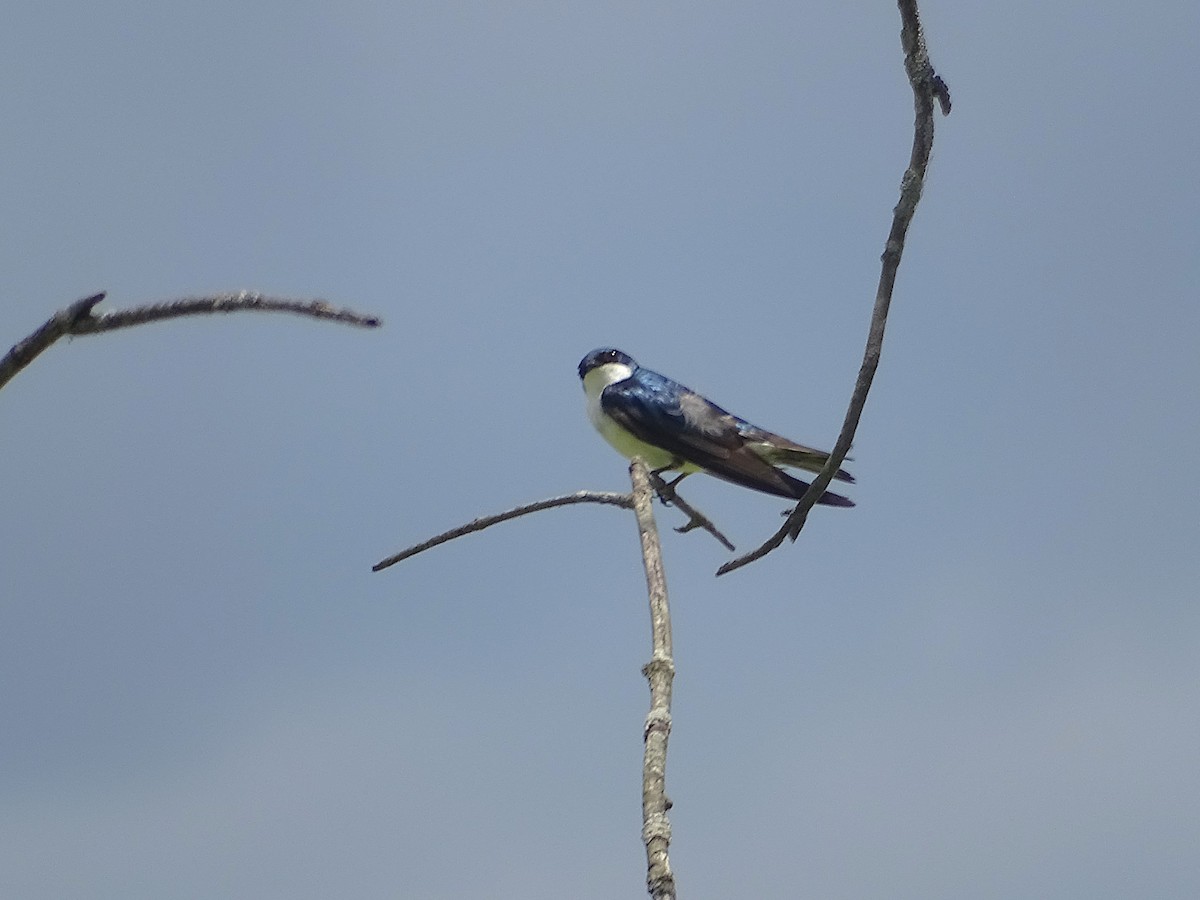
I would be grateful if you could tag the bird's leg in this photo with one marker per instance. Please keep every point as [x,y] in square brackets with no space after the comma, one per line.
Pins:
[675,463]
[666,489]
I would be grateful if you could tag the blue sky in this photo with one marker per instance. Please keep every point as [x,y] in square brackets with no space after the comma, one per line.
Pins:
[983,681]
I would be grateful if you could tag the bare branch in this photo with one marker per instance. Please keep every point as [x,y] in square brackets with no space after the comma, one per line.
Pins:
[26,351]
[927,86]
[625,501]
[77,319]
[696,519]
[660,673]
[223,303]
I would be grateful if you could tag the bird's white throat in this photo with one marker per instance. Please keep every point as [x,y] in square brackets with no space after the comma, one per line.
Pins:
[597,379]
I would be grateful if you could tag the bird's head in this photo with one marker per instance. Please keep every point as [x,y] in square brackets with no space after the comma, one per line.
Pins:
[604,367]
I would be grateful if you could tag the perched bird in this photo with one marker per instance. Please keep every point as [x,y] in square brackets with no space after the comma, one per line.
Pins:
[671,427]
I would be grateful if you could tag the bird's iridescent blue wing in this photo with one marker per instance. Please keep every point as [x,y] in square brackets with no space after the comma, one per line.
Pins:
[663,413]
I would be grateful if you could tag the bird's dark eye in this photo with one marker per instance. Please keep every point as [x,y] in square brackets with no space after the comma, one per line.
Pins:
[604,356]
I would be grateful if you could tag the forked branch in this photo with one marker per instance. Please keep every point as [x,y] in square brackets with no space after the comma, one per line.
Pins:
[666,493]
[659,672]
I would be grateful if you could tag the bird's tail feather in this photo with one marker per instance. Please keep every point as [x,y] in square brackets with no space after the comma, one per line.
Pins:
[829,498]
[780,484]
[809,460]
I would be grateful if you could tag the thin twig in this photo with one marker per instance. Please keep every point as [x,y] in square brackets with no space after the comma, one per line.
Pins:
[927,86]
[660,673]
[625,501]
[224,303]
[77,319]
[696,519]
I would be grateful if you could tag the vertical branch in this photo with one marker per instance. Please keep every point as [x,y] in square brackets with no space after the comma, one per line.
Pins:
[660,672]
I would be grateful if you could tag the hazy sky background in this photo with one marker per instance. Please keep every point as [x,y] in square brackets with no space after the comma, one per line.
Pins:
[982,682]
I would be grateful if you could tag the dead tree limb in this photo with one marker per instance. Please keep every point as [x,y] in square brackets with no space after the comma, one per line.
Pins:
[625,501]
[666,493]
[660,673]
[78,319]
[696,519]
[927,86]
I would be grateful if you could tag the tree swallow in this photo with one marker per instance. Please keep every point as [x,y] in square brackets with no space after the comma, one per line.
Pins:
[671,427]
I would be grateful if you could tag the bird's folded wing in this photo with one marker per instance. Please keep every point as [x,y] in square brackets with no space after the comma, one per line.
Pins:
[783,452]
[693,429]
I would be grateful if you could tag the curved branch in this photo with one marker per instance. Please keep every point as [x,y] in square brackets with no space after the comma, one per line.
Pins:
[625,501]
[77,319]
[660,673]
[927,86]
[223,303]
